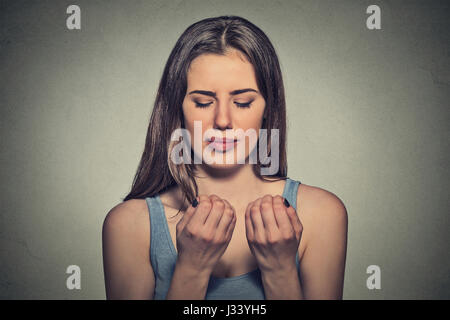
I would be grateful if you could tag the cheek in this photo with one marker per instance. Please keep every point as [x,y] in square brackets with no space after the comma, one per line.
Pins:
[189,116]
[253,121]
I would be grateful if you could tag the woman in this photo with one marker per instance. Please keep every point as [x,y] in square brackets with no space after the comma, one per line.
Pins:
[207,228]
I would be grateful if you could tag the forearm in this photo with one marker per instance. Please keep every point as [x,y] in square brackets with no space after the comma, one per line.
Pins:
[282,285]
[188,284]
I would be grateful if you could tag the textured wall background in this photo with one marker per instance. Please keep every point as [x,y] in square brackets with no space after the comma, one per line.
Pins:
[368,120]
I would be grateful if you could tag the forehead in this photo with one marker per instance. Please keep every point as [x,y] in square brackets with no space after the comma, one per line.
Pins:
[213,71]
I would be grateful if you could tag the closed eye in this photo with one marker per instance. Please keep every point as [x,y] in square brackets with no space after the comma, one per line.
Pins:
[238,104]
[244,105]
[202,105]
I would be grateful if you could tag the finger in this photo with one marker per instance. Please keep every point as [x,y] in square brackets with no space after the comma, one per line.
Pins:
[225,221]
[230,228]
[201,211]
[294,219]
[267,214]
[218,207]
[186,216]
[227,204]
[248,223]
[281,215]
[257,222]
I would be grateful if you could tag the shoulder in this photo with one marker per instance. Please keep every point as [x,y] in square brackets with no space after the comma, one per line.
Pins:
[321,208]
[129,218]
[126,256]
[315,198]
[325,242]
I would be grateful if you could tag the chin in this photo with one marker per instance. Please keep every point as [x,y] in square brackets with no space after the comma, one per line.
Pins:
[229,165]
[223,166]
[221,170]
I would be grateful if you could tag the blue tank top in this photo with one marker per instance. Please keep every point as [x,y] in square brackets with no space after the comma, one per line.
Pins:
[163,257]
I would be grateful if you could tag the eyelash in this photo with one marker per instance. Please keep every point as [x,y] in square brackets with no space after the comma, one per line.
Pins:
[239,105]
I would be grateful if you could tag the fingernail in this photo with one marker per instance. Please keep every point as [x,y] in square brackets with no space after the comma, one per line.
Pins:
[194,203]
[286,203]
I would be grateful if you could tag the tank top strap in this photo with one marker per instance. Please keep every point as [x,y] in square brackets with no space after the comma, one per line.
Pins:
[158,225]
[162,253]
[290,192]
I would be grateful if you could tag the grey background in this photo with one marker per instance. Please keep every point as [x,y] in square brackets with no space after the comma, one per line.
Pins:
[368,120]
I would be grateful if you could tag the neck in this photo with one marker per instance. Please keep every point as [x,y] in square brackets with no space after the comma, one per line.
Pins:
[238,185]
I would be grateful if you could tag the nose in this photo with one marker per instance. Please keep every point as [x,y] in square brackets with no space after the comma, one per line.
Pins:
[222,119]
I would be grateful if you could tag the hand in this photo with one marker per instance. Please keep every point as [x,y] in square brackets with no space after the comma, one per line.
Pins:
[273,233]
[204,232]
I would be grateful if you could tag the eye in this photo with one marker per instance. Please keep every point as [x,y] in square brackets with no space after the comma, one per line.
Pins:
[244,105]
[202,105]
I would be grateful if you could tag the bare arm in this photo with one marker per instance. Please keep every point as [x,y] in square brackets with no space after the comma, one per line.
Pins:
[322,266]
[126,262]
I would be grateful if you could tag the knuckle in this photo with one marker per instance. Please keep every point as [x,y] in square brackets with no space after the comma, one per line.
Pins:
[278,198]
[261,242]
[219,240]
[205,205]
[191,231]
[207,237]
[228,206]
[266,205]
[288,236]
[254,210]
[219,204]
[213,197]
[272,239]
[278,207]
[229,213]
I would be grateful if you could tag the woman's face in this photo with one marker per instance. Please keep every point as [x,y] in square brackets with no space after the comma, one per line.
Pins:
[223,95]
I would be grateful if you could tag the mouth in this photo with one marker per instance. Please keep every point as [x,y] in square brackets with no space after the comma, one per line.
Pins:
[222,144]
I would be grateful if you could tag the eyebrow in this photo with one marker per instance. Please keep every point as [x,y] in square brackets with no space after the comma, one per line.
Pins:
[233,93]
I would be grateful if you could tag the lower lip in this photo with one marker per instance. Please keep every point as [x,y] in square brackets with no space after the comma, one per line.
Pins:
[222,146]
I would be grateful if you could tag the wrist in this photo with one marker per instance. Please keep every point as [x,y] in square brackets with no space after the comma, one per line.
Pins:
[188,283]
[282,284]
[191,270]
[283,267]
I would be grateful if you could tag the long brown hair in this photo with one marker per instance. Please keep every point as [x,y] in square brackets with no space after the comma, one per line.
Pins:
[156,172]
